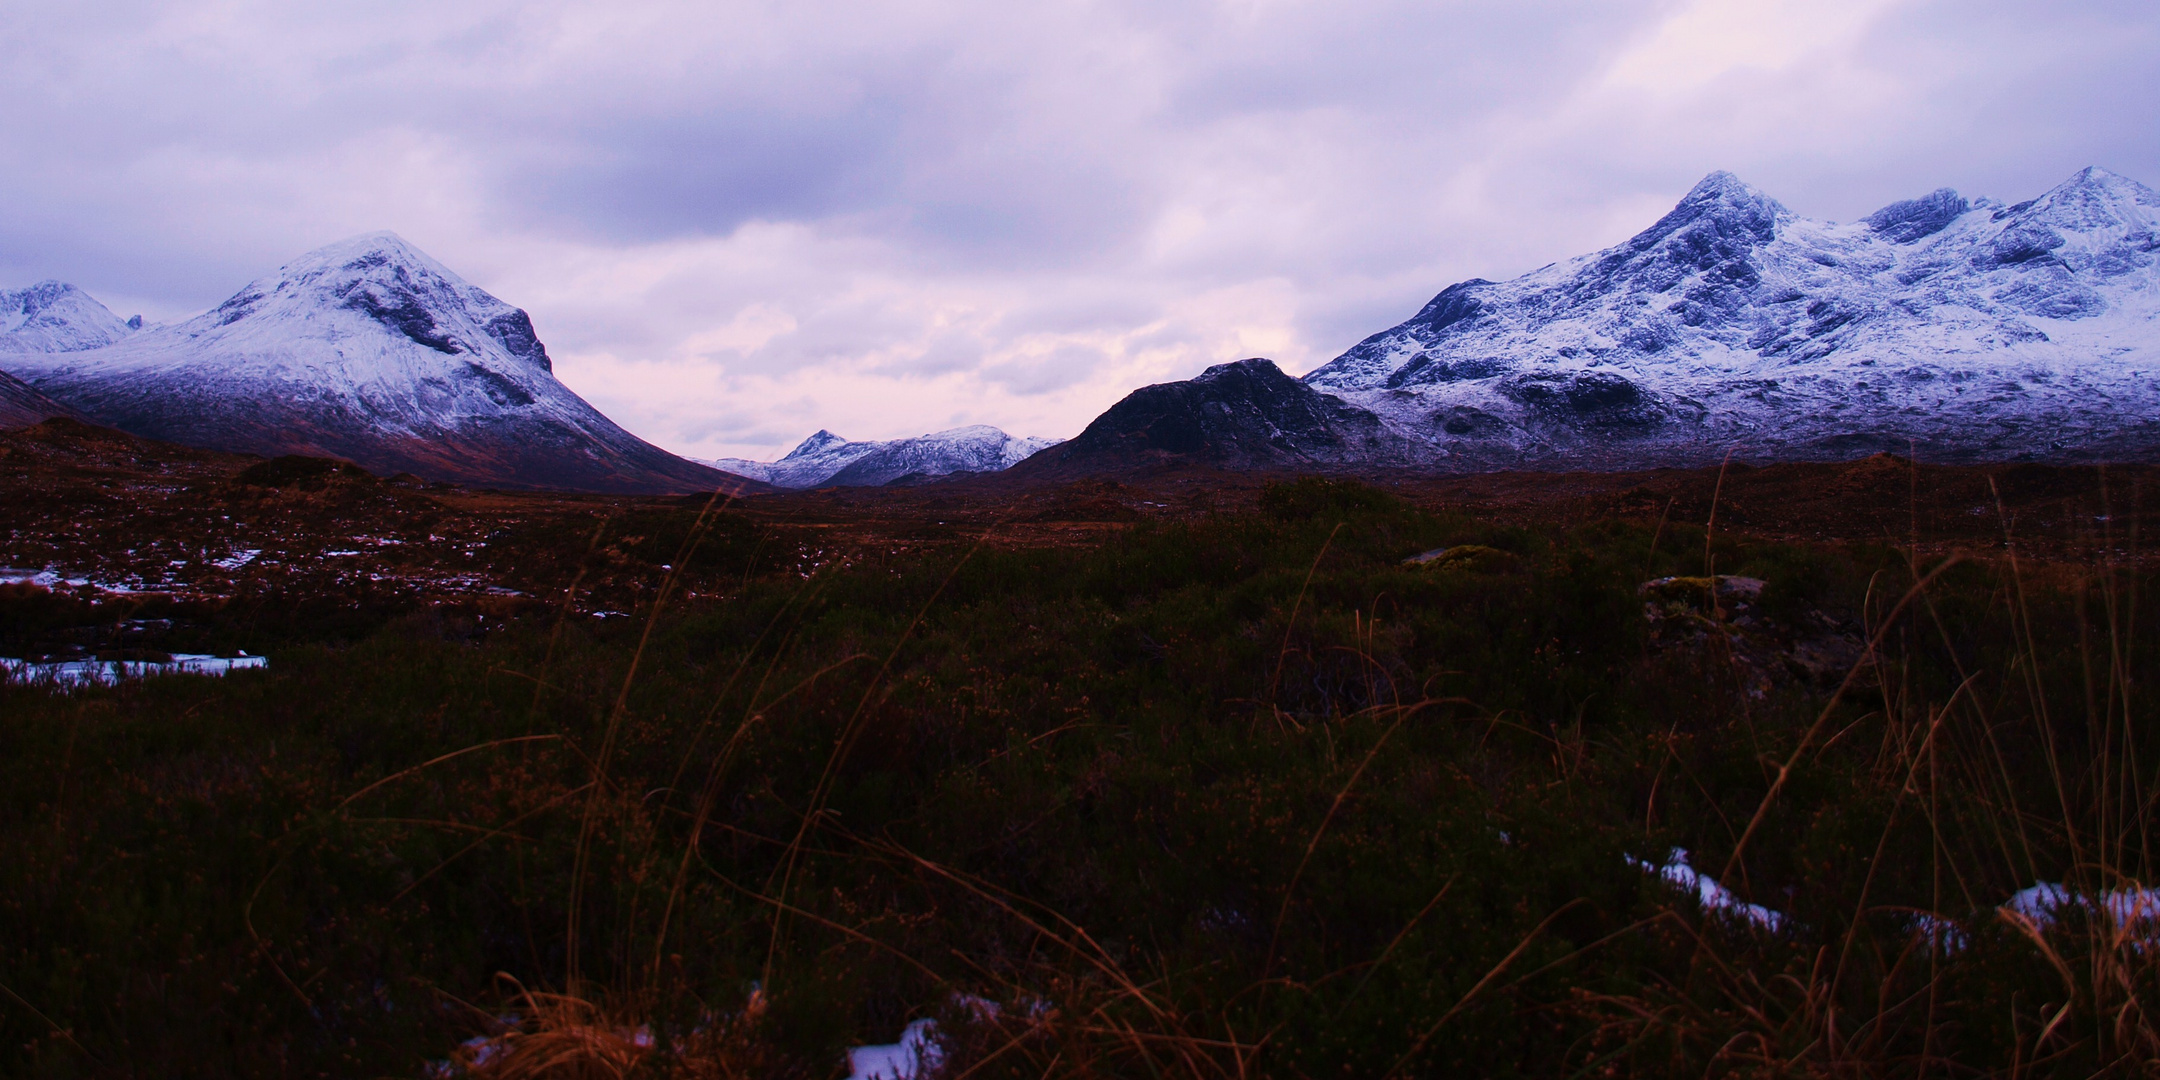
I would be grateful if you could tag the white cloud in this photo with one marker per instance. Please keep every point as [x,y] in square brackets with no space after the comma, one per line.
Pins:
[1708,39]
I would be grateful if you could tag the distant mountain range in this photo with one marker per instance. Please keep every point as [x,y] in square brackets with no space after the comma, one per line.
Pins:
[367,350]
[826,459]
[1966,329]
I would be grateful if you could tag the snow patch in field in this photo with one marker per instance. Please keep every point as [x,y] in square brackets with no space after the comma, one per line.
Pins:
[57,579]
[237,559]
[2126,907]
[1713,896]
[915,1053]
[74,673]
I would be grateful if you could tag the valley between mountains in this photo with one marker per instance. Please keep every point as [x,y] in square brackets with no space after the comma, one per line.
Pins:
[1961,330]
[1719,655]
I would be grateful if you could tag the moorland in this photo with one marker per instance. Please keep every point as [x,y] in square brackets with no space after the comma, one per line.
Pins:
[1187,773]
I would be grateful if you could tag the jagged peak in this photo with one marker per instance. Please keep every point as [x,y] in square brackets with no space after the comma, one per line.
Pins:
[1912,219]
[2094,182]
[823,440]
[1251,365]
[54,316]
[1723,189]
[2092,198]
[1719,183]
[2100,176]
[1727,204]
[39,294]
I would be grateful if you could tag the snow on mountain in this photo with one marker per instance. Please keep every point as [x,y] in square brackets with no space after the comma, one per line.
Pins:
[827,459]
[808,465]
[978,448]
[54,316]
[367,350]
[1976,330]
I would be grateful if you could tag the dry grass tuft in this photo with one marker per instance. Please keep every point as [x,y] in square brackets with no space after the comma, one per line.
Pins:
[560,1038]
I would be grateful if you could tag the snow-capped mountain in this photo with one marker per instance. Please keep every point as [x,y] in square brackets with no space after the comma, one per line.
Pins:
[1976,330]
[54,316]
[809,464]
[827,459]
[368,350]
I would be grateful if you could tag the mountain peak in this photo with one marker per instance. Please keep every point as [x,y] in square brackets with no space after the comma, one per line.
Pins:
[379,259]
[2092,201]
[382,243]
[1915,219]
[53,317]
[1720,184]
[383,278]
[1983,332]
[823,440]
[1723,194]
[364,349]
[2095,184]
[1250,367]
[826,458]
[1716,222]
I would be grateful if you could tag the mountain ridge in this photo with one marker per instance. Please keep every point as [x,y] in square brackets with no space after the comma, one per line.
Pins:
[22,406]
[368,350]
[1968,328]
[825,459]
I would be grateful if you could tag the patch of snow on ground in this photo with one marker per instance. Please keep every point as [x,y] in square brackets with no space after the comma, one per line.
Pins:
[55,579]
[916,1052]
[237,559]
[1943,936]
[2133,906]
[1714,896]
[75,673]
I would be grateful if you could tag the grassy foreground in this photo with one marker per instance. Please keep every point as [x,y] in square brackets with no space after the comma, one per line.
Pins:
[1240,796]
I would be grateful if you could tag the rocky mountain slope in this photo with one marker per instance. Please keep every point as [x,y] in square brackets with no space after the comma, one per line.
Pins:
[367,350]
[1975,330]
[1246,414]
[21,406]
[1962,329]
[827,459]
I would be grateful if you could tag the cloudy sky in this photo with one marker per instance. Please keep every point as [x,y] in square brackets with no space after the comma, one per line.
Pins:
[736,222]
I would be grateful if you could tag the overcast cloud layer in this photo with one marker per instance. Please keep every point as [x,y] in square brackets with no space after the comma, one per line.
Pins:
[735,223]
